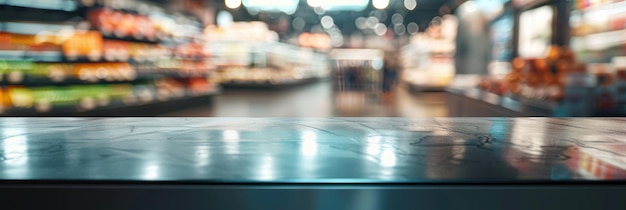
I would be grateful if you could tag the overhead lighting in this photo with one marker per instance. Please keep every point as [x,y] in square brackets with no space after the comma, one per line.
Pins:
[286,6]
[330,5]
[380,29]
[380,4]
[371,22]
[410,4]
[399,29]
[233,4]
[314,3]
[412,28]
[361,23]
[224,18]
[397,18]
[327,22]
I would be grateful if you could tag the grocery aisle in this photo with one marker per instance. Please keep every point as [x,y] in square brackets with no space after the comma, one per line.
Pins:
[315,100]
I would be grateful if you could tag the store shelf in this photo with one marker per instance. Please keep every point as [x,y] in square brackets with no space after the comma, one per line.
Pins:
[600,41]
[62,5]
[607,8]
[18,13]
[33,27]
[82,84]
[268,85]
[527,106]
[113,108]
[36,56]
[35,81]
[415,88]
[130,39]
[521,105]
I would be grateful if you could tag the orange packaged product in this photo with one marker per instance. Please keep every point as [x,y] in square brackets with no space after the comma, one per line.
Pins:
[5,40]
[84,44]
[126,26]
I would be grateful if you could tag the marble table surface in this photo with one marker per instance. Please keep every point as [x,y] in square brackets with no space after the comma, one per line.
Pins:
[359,150]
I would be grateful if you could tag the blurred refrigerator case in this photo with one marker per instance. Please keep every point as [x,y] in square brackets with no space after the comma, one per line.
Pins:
[428,60]
[248,54]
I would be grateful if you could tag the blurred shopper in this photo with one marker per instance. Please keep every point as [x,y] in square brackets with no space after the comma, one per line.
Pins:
[390,76]
[472,42]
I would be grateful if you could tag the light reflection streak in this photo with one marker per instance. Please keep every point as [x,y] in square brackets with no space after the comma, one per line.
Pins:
[266,170]
[309,144]
[15,150]
[388,158]
[202,156]
[151,172]
[14,145]
[373,145]
[231,137]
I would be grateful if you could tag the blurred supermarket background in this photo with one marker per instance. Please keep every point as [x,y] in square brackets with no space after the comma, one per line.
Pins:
[313,58]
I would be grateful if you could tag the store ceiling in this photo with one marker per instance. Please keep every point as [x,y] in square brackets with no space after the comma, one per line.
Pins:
[425,11]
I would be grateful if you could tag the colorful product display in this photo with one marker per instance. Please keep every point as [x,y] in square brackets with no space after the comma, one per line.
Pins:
[122,25]
[598,39]
[118,57]
[90,97]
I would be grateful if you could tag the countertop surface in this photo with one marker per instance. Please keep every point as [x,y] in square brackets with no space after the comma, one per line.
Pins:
[359,150]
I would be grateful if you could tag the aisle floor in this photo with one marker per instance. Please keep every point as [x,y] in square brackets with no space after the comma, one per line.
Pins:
[317,100]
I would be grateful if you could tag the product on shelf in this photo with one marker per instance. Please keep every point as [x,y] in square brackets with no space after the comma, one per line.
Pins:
[605,92]
[84,44]
[144,93]
[32,46]
[119,24]
[200,86]
[13,71]
[191,51]
[538,78]
[169,89]
[56,72]
[4,101]
[116,50]
[94,72]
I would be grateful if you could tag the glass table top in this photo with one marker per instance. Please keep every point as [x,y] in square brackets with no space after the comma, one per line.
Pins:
[353,150]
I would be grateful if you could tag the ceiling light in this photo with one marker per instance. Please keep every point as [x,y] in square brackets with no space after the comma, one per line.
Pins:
[380,29]
[410,4]
[233,4]
[397,18]
[298,23]
[399,29]
[371,22]
[314,3]
[380,4]
[412,28]
[361,23]
[327,22]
